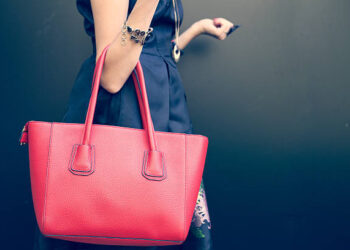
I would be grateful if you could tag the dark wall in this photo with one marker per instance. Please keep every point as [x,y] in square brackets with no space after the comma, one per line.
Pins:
[273,100]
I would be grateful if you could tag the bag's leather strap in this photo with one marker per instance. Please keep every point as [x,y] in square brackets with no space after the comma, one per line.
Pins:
[154,159]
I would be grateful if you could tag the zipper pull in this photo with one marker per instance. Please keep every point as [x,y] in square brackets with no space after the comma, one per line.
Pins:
[23,139]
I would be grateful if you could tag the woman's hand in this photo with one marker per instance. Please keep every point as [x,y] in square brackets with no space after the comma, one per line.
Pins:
[217,27]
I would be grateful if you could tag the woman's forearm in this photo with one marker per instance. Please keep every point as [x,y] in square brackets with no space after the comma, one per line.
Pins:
[121,60]
[188,35]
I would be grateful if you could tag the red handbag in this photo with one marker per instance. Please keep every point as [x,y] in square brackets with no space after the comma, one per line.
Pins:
[114,185]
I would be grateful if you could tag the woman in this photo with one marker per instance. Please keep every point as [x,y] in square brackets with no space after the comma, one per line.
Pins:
[117,101]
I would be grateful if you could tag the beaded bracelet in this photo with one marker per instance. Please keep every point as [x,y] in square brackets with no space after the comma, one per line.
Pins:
[136,35]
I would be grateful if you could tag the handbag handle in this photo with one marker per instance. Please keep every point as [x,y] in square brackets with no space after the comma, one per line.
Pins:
[153,163]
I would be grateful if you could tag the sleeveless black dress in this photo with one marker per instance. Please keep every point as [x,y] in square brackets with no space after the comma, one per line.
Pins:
[168,106]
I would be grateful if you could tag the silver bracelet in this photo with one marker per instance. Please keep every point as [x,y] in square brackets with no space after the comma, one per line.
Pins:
[136,35]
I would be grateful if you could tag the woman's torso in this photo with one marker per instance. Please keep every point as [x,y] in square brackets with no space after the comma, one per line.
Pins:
[163,23]
[166,94]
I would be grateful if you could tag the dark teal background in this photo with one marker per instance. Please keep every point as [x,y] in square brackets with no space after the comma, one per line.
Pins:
[273,100]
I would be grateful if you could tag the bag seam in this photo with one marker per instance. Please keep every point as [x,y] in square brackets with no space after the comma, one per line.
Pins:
[47,177]
[107,237]
[153,177]
[127,128]
[92,161]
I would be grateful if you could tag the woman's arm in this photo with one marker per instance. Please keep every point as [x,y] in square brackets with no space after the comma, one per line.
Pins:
[207,26]
[109,16]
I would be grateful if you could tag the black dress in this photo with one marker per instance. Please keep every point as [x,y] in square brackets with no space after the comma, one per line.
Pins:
[168,106]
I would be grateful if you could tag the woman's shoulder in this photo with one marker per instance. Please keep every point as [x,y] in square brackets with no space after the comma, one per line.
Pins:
[84,7]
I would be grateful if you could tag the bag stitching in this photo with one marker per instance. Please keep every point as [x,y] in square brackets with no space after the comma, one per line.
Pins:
[92,161]
[144,173]
[47,177]
[107,237]
[126,128]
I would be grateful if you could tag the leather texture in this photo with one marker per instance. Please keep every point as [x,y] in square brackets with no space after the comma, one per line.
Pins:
[114,185]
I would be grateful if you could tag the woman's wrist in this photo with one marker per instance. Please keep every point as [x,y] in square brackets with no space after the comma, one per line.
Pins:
[192,32]
[197,28]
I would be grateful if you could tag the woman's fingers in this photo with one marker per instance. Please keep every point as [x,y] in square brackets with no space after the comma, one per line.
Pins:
[222,33]
[219,33]
[223,27]
[217,27]
[219,22]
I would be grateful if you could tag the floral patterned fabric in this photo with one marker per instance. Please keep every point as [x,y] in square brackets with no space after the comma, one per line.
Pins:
[201,221]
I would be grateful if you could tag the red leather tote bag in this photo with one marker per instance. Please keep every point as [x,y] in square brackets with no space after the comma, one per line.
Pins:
[114,185]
